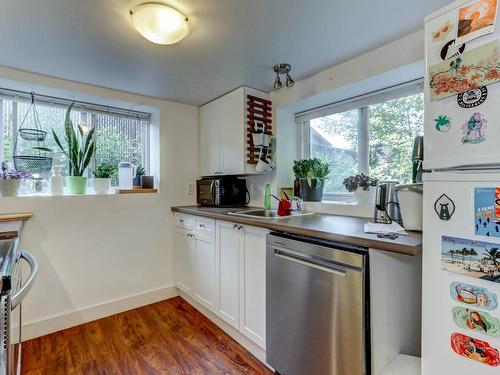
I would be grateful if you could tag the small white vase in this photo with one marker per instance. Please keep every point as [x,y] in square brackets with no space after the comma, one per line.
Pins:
[102,185]
[9,188]
[365,197]
[56,181]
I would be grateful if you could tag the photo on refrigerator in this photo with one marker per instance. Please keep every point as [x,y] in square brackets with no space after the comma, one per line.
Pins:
[472,258]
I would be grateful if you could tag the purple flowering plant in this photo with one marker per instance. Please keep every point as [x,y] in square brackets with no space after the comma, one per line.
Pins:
[352,183]
[12,174]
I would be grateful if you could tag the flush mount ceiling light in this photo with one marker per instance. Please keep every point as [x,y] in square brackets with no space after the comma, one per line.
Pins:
[283,69]
[159,23]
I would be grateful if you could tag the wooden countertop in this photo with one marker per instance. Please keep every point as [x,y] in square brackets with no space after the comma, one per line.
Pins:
[337,228]
[11,224]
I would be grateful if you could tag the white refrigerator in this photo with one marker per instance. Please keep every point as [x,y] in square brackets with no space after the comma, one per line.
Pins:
[461,290]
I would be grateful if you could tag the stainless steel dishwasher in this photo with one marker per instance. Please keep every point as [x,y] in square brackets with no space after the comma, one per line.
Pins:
[317,310]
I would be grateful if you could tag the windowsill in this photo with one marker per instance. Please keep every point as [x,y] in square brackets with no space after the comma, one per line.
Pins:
[343,208]
[89,193]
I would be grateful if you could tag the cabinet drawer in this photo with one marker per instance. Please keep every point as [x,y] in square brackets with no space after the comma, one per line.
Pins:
[184,221]
[204,226]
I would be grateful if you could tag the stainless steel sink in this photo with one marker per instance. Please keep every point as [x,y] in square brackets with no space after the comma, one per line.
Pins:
[267,214]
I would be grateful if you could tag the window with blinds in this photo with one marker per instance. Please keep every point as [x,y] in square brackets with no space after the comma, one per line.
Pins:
[121,135]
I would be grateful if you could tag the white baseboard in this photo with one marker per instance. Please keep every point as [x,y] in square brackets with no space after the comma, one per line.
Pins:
[56,323]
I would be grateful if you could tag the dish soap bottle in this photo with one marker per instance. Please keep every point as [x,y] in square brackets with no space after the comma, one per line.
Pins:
[267,197]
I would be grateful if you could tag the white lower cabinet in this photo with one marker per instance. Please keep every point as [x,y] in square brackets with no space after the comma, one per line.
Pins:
[184,259]
[225,272]
[229,250]
[253,286]
[205,275]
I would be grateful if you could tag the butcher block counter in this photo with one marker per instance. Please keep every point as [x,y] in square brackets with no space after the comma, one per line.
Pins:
[345,229]
[11,224]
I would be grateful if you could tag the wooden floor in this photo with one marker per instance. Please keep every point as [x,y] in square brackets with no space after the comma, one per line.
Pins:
[168,337]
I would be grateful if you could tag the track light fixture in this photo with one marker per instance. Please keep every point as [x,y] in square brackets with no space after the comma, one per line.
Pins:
[283,69]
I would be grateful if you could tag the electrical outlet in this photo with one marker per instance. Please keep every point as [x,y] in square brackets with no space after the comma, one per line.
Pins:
[190,189]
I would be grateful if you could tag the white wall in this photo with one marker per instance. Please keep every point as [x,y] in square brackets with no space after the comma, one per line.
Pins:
[393,63]
[102,254]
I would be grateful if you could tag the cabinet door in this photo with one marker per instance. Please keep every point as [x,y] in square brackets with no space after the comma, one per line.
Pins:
[229,246]
[210,152]
[205,281]
[232,124]
[184,259]
[253,286]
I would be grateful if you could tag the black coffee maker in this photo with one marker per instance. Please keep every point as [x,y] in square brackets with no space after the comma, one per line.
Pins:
[418,159]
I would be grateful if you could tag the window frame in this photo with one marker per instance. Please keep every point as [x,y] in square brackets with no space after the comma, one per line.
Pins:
[361,103]
[88,111]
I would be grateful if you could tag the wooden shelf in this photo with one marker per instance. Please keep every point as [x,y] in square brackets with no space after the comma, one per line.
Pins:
[136,191]
[21,216]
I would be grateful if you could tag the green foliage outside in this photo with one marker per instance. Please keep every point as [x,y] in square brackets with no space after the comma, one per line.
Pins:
[392,127]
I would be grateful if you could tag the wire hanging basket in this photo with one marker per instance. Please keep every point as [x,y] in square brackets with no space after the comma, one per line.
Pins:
[34,164]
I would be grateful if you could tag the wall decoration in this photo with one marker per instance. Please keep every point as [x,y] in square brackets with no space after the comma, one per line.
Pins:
[452,49]
[473,296]
[487,211]
[259,126]
[474,130]
[474,349]
[472,258]
[476,19]
[475,320]
[443,123]
[444,207]
[472,98]
[442,32]
[469,71]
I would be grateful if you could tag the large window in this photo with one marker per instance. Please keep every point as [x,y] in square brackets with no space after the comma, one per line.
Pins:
[120,135]
[371,134]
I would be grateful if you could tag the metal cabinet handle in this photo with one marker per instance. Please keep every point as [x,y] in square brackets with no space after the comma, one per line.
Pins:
[202,226]
[25,288]
[181,220]
[240,227]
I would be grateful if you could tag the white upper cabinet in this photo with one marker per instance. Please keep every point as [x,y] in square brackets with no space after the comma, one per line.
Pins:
[223,134]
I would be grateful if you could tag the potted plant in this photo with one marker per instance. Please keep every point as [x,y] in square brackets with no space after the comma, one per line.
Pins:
[311,174]
[79,152]
[10,180]
[102,177]
[363,188]
[138,174]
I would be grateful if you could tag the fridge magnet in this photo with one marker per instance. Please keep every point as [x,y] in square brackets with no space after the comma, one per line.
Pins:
[472,98]
[487,211]
[451,49]
[443,123]
[473,296]
[474,349]
[442,32]
[475,320]
[469,71]
[444,207]
[477,259]
[476,18]
[474,130]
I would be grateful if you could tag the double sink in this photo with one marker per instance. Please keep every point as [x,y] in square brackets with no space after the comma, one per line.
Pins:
[259,213]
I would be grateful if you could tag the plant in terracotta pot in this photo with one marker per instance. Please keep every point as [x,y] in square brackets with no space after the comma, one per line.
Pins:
[311,174]
[102,177]
[363,188]
[10,180]
[138,174]
[79,151]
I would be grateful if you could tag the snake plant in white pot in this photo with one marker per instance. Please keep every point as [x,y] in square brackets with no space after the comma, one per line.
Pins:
[102,177]
[79,151]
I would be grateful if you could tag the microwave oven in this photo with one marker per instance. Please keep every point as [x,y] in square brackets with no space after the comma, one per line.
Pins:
[222,192]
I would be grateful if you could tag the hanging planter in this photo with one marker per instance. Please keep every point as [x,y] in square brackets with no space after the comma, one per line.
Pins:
[29,163]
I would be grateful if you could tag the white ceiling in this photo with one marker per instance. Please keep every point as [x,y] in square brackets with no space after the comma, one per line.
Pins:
[232,42]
